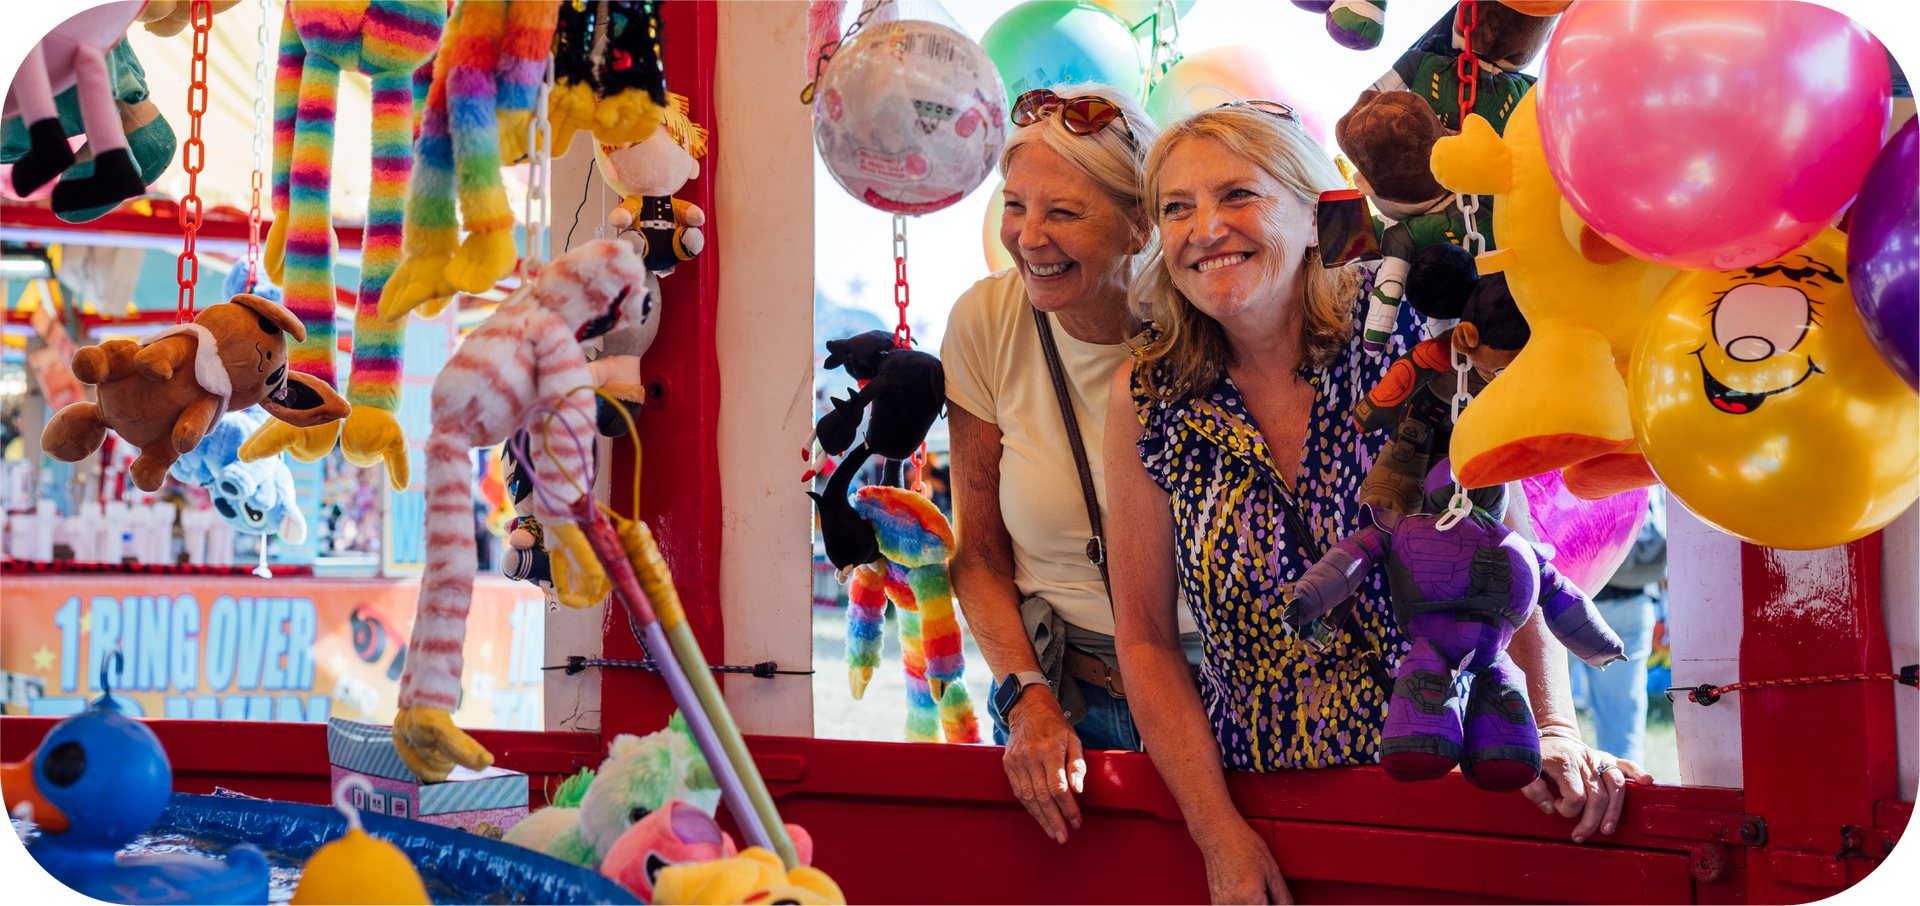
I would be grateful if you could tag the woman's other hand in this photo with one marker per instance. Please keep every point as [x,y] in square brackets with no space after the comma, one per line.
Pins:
[1240,866]
[1044,762]
[1584,783]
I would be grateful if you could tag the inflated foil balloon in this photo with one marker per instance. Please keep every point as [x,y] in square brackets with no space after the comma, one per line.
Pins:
[909,116]
[1711,135]
[1042,43]
[1590,538]
[1760,403]
[1883,252]
[1216,75]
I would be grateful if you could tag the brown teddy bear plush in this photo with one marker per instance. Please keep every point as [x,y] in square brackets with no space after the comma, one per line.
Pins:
[165,392]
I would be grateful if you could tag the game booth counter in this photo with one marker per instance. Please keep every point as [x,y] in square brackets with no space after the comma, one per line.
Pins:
[543,630]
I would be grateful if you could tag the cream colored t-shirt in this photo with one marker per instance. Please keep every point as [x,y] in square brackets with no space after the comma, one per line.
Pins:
[996,371]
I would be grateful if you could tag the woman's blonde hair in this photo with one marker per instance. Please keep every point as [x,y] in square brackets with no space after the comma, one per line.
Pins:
[1108,157]
[1192,347]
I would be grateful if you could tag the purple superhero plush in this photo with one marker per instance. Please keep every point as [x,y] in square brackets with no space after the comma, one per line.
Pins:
[1459,593]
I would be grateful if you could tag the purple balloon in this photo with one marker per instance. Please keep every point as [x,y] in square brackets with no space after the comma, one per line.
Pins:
[1590,538]
[1883,253]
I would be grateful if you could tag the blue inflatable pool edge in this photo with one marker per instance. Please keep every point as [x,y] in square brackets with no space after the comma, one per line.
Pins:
[472,864]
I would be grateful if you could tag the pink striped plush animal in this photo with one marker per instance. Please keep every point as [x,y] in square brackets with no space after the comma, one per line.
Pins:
[526,353]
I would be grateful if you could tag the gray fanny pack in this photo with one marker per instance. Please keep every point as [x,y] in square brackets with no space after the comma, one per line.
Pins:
[1047,633]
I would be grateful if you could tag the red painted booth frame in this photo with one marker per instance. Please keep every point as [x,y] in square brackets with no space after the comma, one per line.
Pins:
[904,823]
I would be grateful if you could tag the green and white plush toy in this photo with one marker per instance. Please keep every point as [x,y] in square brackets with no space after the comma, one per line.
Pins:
[639,775]
[1358,24]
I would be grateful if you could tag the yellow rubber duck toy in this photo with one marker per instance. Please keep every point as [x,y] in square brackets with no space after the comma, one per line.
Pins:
[357,868]
[1563,402]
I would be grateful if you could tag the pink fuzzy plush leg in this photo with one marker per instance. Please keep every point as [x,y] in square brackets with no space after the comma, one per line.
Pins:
[434,659]
[30,90]
[97,109]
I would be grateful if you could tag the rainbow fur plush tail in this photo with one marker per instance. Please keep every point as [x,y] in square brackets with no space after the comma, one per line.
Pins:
[866,618]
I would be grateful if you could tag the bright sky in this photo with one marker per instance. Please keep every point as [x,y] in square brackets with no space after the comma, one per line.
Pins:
[853,261]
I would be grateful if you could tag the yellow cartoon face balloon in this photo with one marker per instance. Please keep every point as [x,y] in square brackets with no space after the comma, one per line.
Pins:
[1759,402]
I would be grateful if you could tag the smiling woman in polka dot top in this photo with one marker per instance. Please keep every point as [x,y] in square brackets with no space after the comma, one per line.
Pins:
[1238,472]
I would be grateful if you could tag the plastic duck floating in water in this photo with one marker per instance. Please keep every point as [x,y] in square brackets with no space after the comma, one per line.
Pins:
[358,868]
[97,781]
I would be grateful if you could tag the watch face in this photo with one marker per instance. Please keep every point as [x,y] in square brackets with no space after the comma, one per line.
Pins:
[1005,694]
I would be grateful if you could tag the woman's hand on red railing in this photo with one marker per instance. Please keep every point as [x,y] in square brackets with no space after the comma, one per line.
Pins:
[1044,762]
[1240,865]
[1584,783]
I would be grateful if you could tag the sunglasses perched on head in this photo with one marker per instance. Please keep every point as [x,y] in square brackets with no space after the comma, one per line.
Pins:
[1275,108]
[1083,115]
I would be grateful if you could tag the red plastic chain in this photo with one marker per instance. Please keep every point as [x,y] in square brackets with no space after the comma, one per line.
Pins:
[902,334]
[193,156]
[1708,693]
[1467,67]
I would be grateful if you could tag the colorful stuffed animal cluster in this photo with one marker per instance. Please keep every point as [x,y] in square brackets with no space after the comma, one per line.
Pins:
[647,814]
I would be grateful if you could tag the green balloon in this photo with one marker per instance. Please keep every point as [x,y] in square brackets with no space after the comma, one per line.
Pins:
[1045,42]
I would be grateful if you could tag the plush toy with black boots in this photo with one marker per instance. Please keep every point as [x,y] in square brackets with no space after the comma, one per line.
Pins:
[1415,397]
[1389,137]
[1462,583]
[1504,41]
[74,55]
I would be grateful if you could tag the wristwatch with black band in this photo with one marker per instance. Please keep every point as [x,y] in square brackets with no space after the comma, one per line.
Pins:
[1008,692]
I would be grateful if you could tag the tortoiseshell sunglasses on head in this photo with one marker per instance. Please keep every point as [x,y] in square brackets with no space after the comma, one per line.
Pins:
[1084,115]
[1275,108]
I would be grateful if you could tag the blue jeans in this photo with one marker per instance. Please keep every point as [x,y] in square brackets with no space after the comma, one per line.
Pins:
[1108,724]
[1617,695]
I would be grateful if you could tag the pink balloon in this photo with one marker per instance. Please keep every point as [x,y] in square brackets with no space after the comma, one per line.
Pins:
[1711,135]
[1590,538]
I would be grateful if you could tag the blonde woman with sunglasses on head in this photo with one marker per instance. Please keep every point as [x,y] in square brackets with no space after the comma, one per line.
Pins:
[1075,224]
[1239,469]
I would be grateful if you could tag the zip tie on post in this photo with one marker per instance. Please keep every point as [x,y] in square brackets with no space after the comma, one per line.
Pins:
[902,334]
[577,663]
[259,151]
[193,157]
[1708,693]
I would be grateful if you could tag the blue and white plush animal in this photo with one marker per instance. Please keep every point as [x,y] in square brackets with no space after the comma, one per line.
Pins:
[253,497]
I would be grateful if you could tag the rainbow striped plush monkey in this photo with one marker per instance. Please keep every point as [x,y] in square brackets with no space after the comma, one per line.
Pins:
[386,40]
[915,542]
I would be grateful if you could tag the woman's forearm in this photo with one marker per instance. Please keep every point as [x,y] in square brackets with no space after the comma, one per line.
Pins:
[991,604]
[1542,658]
[1173,726]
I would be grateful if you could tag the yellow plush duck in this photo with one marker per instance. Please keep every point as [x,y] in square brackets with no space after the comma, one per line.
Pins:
[357,868]
[1564,402]
[756,876]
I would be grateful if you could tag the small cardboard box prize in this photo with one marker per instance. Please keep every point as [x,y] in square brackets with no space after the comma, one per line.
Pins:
[480,802]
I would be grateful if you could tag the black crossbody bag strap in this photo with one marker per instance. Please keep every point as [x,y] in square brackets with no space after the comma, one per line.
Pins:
[1096,545]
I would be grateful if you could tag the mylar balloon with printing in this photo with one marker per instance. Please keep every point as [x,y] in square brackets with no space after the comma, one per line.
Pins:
[909,116]
[1042,43]
[1711,135]
[1883,252]
[1760,403]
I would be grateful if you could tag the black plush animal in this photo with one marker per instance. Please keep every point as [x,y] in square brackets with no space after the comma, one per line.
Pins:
[906,389]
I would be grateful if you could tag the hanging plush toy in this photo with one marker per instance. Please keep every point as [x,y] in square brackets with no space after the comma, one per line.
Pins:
[1461,585]
[525,557]
[74,55]
[254,497]
[665,229]
[1389,137]
[526,354]
[1564,401]
[1356,24]
[906,389]
[386,40]
[608,78]
[163,393]
[483,88]
[913,542]
[1504,41]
